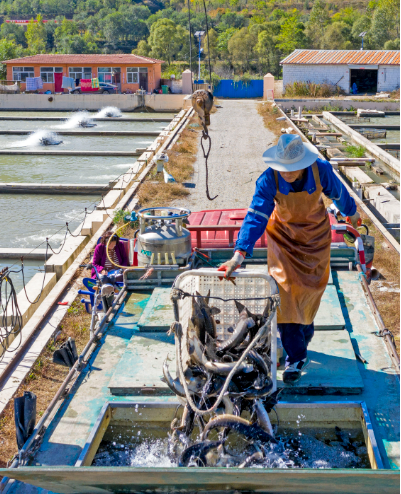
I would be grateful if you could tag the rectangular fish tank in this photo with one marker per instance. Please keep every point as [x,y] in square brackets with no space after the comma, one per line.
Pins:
[320,436]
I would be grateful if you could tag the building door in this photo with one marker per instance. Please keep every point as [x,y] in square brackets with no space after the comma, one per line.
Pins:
[365,80]
[116,78]
[143,78]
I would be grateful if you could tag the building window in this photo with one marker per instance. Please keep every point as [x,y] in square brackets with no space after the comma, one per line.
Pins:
[46,73]
[104,74]
[80,73]
[21,73]
[133,75]
[109,75]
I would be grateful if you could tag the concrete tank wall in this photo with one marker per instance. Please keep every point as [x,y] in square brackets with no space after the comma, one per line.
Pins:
[71,102]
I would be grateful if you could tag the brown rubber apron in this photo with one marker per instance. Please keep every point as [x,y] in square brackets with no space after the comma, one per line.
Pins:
[298,254]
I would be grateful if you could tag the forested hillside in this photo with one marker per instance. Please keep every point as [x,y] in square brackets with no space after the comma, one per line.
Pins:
[246,36]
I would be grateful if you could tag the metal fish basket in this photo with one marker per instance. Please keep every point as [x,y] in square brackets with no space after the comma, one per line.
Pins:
[251,289]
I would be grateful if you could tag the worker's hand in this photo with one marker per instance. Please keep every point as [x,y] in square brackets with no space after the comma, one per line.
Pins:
[232,264]
[355,220]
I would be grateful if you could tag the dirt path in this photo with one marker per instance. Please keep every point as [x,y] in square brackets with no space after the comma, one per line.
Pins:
[239,139]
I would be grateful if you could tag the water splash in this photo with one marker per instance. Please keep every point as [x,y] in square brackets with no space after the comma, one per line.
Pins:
[109,111]
[76,120]
[35,139]
[292,451]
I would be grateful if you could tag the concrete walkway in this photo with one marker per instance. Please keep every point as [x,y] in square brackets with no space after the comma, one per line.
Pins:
[239,139]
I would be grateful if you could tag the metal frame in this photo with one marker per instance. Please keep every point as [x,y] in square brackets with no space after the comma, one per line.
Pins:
[94,439]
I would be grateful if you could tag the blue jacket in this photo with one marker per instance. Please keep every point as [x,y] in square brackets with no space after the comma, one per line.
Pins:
[262,205]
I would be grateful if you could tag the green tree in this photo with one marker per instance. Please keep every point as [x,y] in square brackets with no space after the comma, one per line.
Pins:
[392,44]
[36,36]
[291,35]
[347,15]
[337,37]
[8,50]
[384,27]
[241,48]
[316,25]
[362,24]
[13,32]
[166,39]
[213,40]
[223,39]
[264,49]
[143,49]
[63,34]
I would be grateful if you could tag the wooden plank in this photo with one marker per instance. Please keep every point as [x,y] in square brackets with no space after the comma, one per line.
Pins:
[329,315]
[140,368]
[89,480]
[332,369]
[158,314]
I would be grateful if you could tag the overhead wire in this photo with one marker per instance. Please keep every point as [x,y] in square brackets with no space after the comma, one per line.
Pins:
[190,43]
[208,44]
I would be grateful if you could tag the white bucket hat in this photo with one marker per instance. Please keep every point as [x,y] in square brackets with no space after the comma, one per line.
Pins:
[290,154]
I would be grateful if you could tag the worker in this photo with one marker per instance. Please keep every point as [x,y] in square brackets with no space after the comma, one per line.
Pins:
[116,252]
[288,204]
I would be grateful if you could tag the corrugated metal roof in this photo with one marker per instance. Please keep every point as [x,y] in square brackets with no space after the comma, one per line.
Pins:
[95,59]
[357,57]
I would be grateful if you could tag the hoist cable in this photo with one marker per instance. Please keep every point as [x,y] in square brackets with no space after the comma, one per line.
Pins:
[190,43]
[206,137]
[208,44]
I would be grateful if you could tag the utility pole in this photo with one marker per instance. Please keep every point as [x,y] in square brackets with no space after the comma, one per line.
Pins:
[362,35]
[199,35]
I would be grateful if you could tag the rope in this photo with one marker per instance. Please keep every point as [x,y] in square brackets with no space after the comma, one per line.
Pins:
[206,137]
[23,281]
[6,302]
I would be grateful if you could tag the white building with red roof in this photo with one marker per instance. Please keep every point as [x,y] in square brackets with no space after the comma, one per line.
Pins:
[370,70]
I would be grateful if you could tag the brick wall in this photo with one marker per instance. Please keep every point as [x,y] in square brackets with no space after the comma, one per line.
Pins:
[317,73]
[388,78]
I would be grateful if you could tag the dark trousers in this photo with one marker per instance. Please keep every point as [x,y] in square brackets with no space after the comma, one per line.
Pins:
[295,339]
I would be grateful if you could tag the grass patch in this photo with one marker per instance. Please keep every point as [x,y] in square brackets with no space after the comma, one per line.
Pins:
[270,112]
[311,90]
[355,151]
[158,194]
[45,378]
[154,192]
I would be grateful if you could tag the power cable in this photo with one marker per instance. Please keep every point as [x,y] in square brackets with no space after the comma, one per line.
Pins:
[190,43]
[208,44]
